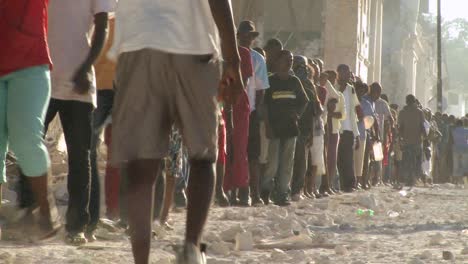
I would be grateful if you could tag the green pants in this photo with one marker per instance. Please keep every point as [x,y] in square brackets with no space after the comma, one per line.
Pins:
[24,98]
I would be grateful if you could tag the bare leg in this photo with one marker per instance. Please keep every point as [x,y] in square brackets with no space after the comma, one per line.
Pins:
[200,193]
[141,179]
[48,213]
[220,195]
[168,198]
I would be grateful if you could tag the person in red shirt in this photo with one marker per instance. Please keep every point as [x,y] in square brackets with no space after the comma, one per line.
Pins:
[24,96]
[236,178]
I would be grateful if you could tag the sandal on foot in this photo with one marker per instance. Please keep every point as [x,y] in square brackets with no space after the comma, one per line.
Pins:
[90,236]
[76,239]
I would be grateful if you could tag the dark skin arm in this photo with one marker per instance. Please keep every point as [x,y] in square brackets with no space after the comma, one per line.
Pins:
[231,83]
[82,77]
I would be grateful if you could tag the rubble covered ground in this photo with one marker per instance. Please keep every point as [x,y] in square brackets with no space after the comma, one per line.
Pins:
[424,225]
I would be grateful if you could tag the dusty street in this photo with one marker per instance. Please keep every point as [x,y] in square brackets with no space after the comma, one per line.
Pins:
[413,227]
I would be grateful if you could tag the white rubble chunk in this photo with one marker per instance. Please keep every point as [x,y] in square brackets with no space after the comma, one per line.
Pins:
[244,241]
[229,235]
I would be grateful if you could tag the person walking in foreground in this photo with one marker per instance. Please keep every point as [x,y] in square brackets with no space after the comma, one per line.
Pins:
[24,96]
[172,78]
[74,100]
[411,130]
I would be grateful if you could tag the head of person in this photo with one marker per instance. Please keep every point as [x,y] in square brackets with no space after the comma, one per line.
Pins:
[384,97]
[361,88]
[323,79]
[344,74]
[285,61]
[375,91]
[300,67]
[356,78]
[316,75]
[319,63]
[261,51]
[332,76]
[452,119]
[410,100]
[445,117]
[418,104]
[459,123]
[246,33]
[394,107]
[438,115]
[272,49]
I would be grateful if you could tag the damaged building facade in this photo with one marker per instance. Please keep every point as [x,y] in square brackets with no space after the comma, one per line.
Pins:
[381,40]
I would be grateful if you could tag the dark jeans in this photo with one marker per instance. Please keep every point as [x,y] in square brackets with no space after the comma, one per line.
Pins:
[105,99]
[300,165]
[411,163]
[76,119]
[346,160]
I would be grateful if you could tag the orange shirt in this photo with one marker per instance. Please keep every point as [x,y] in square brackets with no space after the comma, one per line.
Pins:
[105,68]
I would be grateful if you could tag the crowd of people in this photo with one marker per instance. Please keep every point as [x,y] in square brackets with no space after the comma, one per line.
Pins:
[275,127]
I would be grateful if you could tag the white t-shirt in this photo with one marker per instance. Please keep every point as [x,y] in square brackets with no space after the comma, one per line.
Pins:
[71,23]
[172,26]
[259,80]
[351,101]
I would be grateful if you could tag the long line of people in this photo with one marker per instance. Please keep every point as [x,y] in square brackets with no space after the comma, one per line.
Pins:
[296,131]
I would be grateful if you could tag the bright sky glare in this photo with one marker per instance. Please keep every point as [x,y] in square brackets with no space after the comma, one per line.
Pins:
[451,9]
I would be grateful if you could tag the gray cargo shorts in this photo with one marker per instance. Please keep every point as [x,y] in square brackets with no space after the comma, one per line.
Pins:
[155,90]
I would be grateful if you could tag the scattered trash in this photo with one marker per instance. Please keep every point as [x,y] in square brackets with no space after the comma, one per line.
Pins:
[393,214]
[365,212]
[403,193]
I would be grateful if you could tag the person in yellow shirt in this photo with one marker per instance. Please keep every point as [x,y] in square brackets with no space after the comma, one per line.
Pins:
[105,72]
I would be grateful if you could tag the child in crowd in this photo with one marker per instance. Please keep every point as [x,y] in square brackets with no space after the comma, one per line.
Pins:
[285,102]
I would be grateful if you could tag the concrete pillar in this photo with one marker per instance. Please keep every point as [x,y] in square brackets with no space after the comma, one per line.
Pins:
[378,43]
[372,41]
[341,35]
